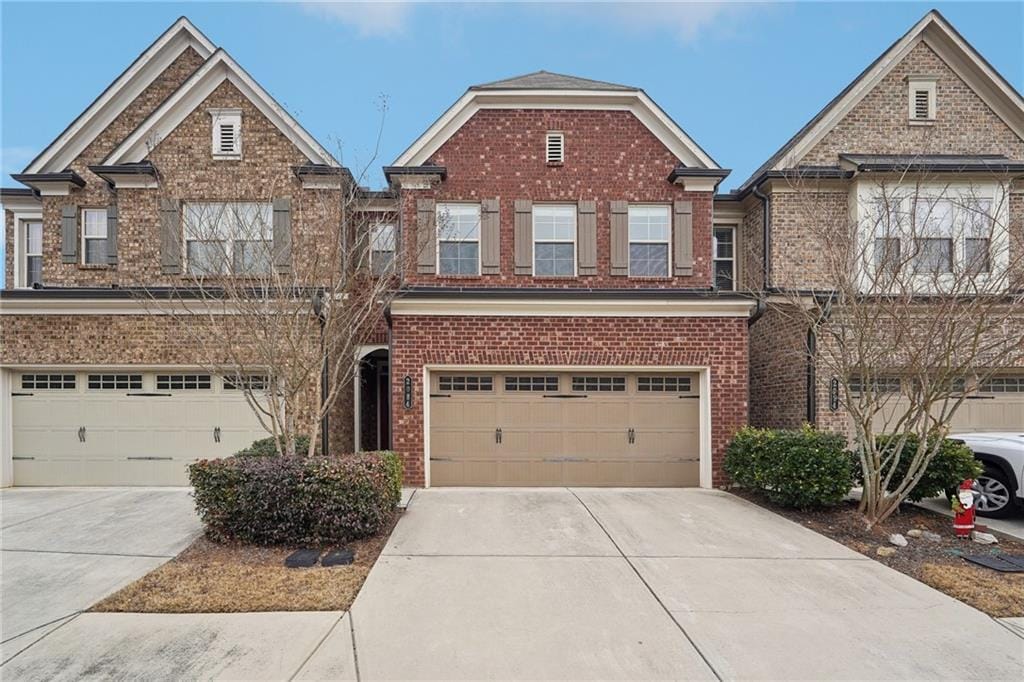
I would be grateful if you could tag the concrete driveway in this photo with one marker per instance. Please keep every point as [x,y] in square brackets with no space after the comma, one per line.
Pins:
[64,549]
[629,584]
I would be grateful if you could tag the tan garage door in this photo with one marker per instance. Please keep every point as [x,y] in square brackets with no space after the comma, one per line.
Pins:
[564,428]
[124,427]
[997,404]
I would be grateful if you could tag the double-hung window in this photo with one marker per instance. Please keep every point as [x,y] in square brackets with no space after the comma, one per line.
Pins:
[94,236]
[382,249]
[33,263]
[978,225]
[933,236]
[458,239]
[724,257]
[650,231]
[228,238]
[554,240]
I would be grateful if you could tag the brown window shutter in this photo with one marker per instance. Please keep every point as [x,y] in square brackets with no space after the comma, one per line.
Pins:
[524,237]
[170,236]
[69,234]
[112,234]
[490,237]
[682,237]
[586,228]
[281,247]
[620,237]
[426,237]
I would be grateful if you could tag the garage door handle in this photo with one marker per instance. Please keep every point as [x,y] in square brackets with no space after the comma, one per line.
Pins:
[497,435]
[631,434]
[148,395]
[15,395]
[979,397]
[689,397]
[81,434]
[216,434]
[564,397]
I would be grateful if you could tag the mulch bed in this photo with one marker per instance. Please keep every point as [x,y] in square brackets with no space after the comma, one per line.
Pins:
[937,563]
[209,577]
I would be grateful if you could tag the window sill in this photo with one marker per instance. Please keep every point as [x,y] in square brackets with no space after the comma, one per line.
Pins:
[921,121]
[555,164]
[227,157]
[96,266]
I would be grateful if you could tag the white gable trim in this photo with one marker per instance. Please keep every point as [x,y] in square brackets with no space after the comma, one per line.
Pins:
[217,69]
[119,94]
[635,101]
[939,35]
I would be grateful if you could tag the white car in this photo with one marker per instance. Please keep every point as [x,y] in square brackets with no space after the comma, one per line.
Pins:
[1001,486]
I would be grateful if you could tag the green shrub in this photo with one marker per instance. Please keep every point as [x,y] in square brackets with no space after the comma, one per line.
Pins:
[802,469]
[952,464]
[297,500]
[265,447]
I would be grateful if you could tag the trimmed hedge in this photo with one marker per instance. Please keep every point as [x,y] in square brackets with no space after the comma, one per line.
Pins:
[801,469]
[953,463]
[266,447]
[297,500]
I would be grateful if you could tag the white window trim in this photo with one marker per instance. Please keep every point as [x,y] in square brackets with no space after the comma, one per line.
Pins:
[20,263]
[548,136]
[575,240]
[865,194]
[926,83]
[437,238]
[394,236]
[81,218]
[219,117]
[667,242]
[230,240]
[714,252]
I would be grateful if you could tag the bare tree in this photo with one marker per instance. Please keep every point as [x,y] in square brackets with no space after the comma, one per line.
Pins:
[918,298]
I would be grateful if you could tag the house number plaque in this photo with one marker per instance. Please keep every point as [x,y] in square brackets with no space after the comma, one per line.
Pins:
[833,394]
[407,392]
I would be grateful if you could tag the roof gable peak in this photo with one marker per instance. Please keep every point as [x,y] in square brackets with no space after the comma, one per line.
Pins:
[549,80]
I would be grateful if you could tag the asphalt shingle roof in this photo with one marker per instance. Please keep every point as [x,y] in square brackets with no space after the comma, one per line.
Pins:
[545,80]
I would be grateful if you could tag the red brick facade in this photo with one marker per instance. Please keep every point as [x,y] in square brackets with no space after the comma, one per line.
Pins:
[718,343]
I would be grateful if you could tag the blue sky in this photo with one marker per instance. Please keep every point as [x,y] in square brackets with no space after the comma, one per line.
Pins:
[740,78]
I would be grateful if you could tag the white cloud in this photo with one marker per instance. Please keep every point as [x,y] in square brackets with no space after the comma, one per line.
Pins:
[685,21]
[369,19]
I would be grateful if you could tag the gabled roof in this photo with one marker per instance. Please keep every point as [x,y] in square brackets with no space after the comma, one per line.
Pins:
[218,68]
[952,48]
[544,90]
[118,95]
[546,80]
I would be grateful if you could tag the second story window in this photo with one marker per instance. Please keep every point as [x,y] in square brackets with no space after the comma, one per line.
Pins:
[94,236]
[724,257]
[650,230]
[382,249]
[933,236]
[228,238]
[554,240]
[33,263]
[227,133]
[458,238]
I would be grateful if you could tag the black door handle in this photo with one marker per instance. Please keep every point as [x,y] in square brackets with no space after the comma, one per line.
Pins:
[216,434]
[632,436]
[81,434]
[497,435]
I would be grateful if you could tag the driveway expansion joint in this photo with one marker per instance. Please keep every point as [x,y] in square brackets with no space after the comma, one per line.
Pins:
[112,554]
[62,509]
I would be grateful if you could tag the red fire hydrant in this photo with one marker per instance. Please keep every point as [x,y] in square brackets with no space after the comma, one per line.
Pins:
[963,509]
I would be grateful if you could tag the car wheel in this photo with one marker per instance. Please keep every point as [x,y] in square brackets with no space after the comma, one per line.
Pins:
[995,500]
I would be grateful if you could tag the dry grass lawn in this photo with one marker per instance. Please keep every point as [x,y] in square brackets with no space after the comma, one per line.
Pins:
[997,594]
[209,577]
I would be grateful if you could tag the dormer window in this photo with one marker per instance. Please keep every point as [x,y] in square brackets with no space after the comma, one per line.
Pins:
[227,133]
[555,147]
[921,94]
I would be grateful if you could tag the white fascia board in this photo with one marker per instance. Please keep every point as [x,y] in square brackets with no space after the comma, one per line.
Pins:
[957,54]
[193,92]
[667,307]
[28,204]
[635,101]
[121,93]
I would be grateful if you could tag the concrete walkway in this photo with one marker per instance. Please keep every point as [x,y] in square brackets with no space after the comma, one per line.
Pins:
[64,549]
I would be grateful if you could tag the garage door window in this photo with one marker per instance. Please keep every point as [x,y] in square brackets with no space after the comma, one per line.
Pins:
[1003,385]
[115,382]
[465,383]
[183,382]
[599,384]
[253,382]
[663,384]
[48,381]
[531,383]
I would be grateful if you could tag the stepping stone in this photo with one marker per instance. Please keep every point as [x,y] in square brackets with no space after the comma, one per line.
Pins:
[302,558]
[339,557]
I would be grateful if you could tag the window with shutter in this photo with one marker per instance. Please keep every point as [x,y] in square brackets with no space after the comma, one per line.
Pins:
[555,147]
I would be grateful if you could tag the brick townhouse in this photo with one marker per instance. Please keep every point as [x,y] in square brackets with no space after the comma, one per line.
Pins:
[582,307]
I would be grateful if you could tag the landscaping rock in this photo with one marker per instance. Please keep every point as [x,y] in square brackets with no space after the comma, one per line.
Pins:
[898,540]
[915,533]
[928,535]
[984,538]
[885,551]
[338,557]
[302,558]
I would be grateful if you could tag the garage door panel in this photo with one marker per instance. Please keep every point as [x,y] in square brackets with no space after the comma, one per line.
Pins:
[685,473]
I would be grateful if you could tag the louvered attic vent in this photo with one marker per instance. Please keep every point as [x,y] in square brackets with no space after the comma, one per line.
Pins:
[227,139]
[555,148]
[921,104]
[227,133]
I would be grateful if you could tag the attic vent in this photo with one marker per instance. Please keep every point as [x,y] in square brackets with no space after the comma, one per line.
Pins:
[227,133]
[922,100]
[555,148]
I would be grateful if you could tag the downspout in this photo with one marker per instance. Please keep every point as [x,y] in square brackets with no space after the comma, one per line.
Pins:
[812,364]
[391,377]
[766,236]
